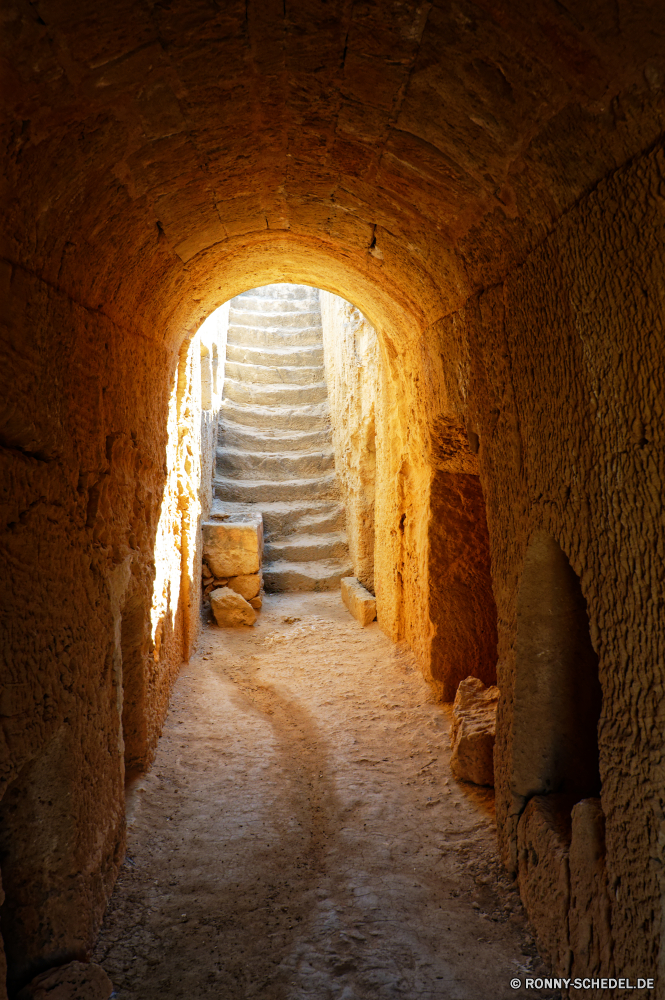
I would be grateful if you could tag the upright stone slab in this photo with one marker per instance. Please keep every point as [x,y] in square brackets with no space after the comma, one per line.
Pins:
[473,732]
[233,546]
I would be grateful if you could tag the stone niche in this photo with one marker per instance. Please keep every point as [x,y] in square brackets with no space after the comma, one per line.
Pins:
[555,771]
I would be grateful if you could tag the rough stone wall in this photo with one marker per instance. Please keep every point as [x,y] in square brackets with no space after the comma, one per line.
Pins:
[352,360]
[99,425]
[559,372]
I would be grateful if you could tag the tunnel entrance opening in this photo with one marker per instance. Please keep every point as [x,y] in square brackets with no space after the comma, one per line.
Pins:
[557,699]
[296,440]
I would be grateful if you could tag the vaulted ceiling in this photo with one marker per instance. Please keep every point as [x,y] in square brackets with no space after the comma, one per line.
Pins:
[183,149]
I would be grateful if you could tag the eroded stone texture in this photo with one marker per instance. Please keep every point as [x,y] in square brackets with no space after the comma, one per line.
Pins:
[590,909]
[593,284]
[544,874]
[473,732]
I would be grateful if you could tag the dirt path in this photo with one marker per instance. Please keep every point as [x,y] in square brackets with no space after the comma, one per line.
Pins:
[300,835]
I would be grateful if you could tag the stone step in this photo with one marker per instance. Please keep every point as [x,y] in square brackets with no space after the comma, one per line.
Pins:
[281,577]
[261,319]
[282,518]
[307,548]
[230,435]
[310,357]
[282,418]
[274,339]
[278,466]
[260,490]
[258,374]
[280,290]
[273,304]
[274,395]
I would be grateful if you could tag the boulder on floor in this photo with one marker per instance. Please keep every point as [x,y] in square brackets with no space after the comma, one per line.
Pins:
[233,547]
[473,732]
[247,585]
[74,981]
[230,609]
[358,600]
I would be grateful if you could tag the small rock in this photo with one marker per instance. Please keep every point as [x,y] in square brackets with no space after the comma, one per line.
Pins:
[358,600]
[75,981]
[247,585]
[230,609]
[473,732]
[256,603]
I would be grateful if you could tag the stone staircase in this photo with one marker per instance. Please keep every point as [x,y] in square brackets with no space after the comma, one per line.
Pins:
[274,449]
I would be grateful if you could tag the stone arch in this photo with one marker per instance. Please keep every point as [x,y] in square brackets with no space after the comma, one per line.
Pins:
[557,695]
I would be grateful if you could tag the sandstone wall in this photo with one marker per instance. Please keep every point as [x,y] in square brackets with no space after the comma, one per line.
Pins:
[101,431]
[352,366]
[559,371]
[456,172]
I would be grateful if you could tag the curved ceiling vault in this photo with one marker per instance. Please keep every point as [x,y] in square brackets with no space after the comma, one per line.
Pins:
[164,155]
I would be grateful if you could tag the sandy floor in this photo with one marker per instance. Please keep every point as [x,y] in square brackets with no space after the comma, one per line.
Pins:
[300,834]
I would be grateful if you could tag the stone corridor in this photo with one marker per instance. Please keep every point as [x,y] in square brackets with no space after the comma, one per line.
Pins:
[300,835]
[477,189]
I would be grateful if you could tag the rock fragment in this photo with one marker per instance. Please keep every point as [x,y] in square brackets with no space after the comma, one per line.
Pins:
[74,981]
[230,609]
[247,585]
[473,732]
[358,600]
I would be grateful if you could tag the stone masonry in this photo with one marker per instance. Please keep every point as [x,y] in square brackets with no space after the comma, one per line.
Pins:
[275,449]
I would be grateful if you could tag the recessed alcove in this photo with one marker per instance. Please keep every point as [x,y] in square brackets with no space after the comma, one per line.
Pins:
[557,696]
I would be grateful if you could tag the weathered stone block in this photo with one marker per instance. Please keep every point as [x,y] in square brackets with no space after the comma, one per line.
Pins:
[233,547]
[473,732]
[256,603]
[359,601]
[543,843]
[247,585]
[589,917]
[75,981]
[230,609]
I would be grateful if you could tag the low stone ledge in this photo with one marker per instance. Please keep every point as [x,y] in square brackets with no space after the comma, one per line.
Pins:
[358,600]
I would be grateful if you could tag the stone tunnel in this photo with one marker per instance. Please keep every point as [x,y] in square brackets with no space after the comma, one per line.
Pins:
[485,182]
